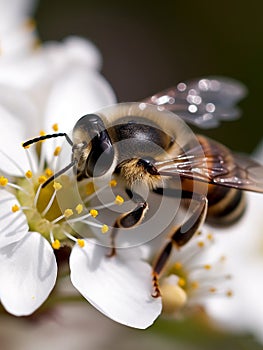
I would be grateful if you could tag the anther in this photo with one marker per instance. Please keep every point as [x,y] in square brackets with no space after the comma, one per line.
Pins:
[178,265]
[68,213]
[42,179]
[15,208]
[229,293]
[81,243]
[28,174]
[57,186]
[56,244]
[90,188]
[207,267]
[57,151]
[104,229]
[48,172]
[113,183]
[3,181]
[55,127]
[119,200]
[94,213]
[79,208]
[181,282]
[201,244]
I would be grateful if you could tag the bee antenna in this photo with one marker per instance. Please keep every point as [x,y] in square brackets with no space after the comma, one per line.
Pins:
[60,172]
[45,137]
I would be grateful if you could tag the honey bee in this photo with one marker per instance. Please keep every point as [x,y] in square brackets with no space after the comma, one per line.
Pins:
[146,144]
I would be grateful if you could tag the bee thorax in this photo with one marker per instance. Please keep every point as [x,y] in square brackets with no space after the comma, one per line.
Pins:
[136,172]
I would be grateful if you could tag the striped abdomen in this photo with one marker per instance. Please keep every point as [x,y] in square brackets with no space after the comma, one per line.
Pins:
[225,204]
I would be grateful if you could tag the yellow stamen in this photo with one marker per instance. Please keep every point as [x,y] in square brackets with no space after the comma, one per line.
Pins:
[81,243]
[68,213]
[104,228]
[178,265]
[207,267]
[194,285]
[55,127]
[212,290]
[200,244]
[79,208]
[57,151]
[56,244]
[94,212]
[113,183]
[57,186]
[3,181]
[210,236]
[90,188]
[15,208]
[28,174]
[181,282]
[119,200]
[48,172]
[229,293]
[42,179]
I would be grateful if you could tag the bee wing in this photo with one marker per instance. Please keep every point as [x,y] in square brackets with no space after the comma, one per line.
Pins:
[203,102]
[236,170]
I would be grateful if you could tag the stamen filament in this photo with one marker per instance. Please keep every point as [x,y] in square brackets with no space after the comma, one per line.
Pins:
[80,218]
[17,187]
[29,158]
[37,195]
[49,205]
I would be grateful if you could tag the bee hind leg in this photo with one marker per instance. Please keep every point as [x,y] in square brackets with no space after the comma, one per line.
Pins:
[179,237]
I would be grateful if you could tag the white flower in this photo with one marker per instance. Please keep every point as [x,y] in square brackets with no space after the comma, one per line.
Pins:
[17,30]
[194,276]
[243,243]
[33,225]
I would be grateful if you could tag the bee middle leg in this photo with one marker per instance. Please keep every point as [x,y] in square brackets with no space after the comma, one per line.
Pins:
[129,219]
[180,236]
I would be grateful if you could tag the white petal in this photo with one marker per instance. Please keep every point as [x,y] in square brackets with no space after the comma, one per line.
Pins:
[76,92]
[13,226]
[28,273]
[17,120]
[73,50]
[120,287]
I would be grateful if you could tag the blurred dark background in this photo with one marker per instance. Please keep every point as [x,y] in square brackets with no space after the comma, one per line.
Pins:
[148,46]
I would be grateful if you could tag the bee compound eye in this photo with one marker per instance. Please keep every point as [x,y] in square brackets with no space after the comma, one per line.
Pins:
[101,156]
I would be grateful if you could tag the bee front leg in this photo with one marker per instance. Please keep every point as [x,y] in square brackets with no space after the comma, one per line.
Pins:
[180,236]
[130,219]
